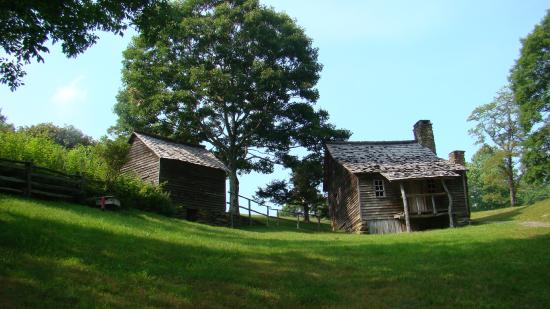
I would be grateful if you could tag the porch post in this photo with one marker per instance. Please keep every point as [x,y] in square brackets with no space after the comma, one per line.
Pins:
[451,223]
[405,207]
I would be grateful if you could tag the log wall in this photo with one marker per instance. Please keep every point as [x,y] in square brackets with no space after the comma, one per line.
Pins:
[200,189]
[142,162]
[343,198]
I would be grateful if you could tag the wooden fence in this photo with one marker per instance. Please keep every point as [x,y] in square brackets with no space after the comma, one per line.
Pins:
[272,210]
[25,178]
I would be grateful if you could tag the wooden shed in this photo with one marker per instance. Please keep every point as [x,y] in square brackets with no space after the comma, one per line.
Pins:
[394,186]
[194,177]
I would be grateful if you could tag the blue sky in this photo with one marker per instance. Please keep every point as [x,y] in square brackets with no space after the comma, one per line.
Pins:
[387,64]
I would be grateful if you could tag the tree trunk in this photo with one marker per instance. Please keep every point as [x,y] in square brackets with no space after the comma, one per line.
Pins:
[233,195]
[305,207]
[511,182]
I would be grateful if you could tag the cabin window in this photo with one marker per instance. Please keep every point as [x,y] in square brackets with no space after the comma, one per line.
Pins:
[431,186]
[379,188]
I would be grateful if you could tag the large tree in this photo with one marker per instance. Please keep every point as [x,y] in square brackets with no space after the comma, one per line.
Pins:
[234,74]
[497,123]
[26,26]
[530,79]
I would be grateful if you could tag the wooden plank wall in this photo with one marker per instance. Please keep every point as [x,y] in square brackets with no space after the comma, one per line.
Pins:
[344,211]
[142,162]
[385,226]
[195,187]
[374,207]
[460,206]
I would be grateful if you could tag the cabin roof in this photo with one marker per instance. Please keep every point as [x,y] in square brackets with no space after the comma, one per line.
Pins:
[395,160]
[166,149]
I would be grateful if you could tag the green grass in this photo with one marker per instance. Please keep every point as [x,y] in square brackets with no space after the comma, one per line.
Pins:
[63,255]
[539,211]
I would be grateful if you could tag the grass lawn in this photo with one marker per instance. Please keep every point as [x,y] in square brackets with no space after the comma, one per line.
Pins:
[63,255]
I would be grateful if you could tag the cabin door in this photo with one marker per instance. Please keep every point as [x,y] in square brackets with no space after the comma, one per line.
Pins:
[416,199]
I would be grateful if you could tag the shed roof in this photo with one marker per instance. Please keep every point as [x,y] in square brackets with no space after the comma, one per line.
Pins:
[395,160]
[166,149]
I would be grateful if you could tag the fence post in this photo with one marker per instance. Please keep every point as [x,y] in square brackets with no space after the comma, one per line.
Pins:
[278,217]
[318,220]
[298,220]
[28,177]
[267,221]
[249,214]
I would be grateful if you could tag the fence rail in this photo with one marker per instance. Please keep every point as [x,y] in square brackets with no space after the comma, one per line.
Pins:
[25,178]
[278,212]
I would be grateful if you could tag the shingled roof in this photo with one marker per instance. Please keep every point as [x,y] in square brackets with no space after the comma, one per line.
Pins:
[166,149]
[395,160]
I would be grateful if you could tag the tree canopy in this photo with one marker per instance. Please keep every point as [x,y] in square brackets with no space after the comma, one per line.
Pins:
[497,124]
[530,79]
[27,26]
[67,136]
[234,74]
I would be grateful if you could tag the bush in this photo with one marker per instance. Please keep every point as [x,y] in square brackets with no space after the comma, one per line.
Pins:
[136,193]
[99,163]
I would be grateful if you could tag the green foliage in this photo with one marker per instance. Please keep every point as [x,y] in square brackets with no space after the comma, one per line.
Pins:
[27,27]
[536,157]
[64,255]
[141,195]
[99,163]
[496,123]
[235,74]
[41,150]
[303,190]
[486,179]
[530,80]
[530,193]
[67,136]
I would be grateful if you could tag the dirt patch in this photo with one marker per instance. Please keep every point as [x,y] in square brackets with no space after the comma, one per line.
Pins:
[535,224]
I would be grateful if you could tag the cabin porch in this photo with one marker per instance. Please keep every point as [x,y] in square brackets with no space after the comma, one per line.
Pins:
[426,202]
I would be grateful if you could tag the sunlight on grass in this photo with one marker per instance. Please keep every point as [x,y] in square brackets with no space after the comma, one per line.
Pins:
[58,254]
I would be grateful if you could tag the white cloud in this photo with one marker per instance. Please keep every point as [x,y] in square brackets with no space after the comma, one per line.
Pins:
[71,93]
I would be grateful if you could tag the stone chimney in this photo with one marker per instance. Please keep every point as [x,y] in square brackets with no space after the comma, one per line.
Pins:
[424,134]
[457,156]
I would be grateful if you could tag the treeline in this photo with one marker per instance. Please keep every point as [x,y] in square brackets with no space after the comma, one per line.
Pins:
[512,165]
[68,150]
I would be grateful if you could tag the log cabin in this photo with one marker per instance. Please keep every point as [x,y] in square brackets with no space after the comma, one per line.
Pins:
[192,175]
[394,186]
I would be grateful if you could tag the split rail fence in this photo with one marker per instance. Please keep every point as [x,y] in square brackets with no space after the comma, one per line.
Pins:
[25,178]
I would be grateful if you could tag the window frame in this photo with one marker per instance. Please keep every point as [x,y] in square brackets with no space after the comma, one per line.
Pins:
[379,188]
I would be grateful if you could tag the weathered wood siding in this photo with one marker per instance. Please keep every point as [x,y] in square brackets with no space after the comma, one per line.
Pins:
[142,162]
[195,187]
[373,207]
[378,212]
[343,198]
[385,226]
[460,204]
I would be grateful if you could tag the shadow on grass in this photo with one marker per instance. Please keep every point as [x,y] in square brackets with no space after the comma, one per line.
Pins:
[48,263]
[508,215]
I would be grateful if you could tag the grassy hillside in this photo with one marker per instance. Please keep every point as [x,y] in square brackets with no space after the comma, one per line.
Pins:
[54,254]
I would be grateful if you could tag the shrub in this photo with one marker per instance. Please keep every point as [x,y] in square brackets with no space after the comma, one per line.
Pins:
[99,163]
[136,193]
